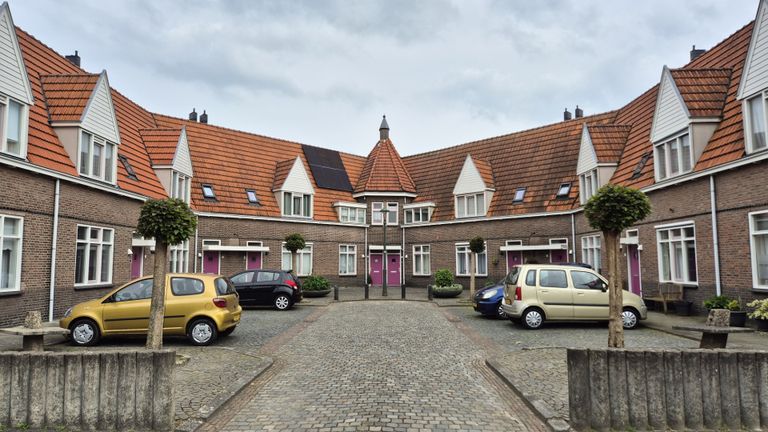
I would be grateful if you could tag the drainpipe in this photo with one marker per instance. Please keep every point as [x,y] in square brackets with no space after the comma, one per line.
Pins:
[573,237]
[54,241]
[194,257]
[365,254]
[715,241]
[402,259]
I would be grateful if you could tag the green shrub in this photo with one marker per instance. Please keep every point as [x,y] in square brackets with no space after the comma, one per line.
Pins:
[443,278]
[760,310]
[722,302]
[315,283]
[447,291]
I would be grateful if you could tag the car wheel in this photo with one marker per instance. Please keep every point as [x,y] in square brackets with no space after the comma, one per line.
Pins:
[84,332]
[630,319]
[533,319]
[282,302]
[500,312]
[228,331]
[202,331]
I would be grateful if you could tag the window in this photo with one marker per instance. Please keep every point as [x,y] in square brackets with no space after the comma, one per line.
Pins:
[13,118]
[140,290]
[674,157]
[553,279]
[128,167]
[267,276]
[590,251]
[416,215]
[186,286]
[347,260]
[351,215]
[11,232]
[377,217]
[589,183]
[463,259]
[179,257]
[677,254]
[297,204]
[224,287]
[252,198]
[641,164]
[564,190]
[97,157]
[208,192]
[519,195]
[305,260]
[755,119]
[530,278]
[242,278]
[180,186]
[421,261]
[585,280]
[470,205]
[758,229]
[93,256]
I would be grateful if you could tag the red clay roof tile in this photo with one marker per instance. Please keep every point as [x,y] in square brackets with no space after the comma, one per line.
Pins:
[609,141]
[703,90]
[161,144]
[384,171]
[67,95]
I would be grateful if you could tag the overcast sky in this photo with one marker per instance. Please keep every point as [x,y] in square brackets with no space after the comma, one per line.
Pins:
[323,72]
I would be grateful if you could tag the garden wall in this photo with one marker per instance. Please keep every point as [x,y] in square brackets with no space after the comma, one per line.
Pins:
[121,390]
[668,389]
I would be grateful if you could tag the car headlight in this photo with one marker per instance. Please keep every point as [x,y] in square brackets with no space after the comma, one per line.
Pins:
[68,313]
[490,293]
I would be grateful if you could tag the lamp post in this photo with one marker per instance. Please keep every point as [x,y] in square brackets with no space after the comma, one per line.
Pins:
[385,215]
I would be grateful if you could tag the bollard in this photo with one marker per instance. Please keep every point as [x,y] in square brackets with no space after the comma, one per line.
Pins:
[366,291]
[429,292]
[402,291]
[336,293]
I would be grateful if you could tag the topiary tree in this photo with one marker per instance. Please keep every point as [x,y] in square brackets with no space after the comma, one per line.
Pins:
[443,278]
[476,246]
[169,222]
[295,242]
[613,209]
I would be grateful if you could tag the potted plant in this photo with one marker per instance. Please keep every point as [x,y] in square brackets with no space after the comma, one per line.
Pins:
[444,286]
[315,286]
[759,313]
[738,317]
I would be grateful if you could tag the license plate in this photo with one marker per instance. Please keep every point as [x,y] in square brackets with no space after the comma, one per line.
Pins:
[507,301]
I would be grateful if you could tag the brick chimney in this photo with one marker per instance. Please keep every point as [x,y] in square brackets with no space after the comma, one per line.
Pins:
[695,53]
[566,115]
[193,115]
[579,112]
[74,59]
[204,117]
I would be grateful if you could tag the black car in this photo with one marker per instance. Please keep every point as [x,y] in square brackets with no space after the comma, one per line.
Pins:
[277,288]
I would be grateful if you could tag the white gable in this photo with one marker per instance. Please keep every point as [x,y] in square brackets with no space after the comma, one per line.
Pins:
[99,115]
[298,180]
[587,156]
[14,81]
[470,180]
[182,160]
[671,115]
[755,76]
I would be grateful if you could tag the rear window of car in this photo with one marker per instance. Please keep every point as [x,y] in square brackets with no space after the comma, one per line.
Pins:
[513,275]
[530,278]
[245,277]
[186,286]
[224,286]
[553,279]
[267,276]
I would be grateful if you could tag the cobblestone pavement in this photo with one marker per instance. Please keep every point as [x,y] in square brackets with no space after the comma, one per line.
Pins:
[381,366]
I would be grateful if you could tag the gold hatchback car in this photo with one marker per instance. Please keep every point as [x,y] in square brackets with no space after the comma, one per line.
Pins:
[537,293]
[200,306]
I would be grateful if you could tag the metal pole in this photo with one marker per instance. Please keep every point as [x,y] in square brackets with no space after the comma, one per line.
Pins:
[385,270]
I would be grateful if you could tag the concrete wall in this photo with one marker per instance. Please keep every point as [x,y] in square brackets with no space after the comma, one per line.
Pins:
[621,389]
[121,390]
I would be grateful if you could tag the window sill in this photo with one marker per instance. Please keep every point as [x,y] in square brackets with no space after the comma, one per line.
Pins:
[763,290]
[476,275]
[422,275]
[348,275]
[93,286]
[10,293]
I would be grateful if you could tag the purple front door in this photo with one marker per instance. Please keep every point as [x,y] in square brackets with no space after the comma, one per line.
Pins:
[513,259]
[137,261]
[393,269]
[211,262]
[633,256]
[253,261]
[558,256]
[376,268]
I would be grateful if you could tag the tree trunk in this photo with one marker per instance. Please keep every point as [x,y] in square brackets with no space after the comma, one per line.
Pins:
[157,308]
[615,294]
[472,275]
[295,266]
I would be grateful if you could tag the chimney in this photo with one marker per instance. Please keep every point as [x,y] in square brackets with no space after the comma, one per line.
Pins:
[74,59]
[203,117]
[695,53]
[193,115]
[384,129]
[566,115]
[579,112]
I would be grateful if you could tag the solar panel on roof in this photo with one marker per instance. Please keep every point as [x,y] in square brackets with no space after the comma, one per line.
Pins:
[327,168]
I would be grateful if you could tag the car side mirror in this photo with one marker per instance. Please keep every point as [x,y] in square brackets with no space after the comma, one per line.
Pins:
[603,286]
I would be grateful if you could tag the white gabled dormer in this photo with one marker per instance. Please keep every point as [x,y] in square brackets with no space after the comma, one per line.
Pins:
[472,193]
[753,88]
[671,115]
[15,92]
[593,173]
[99,114]
[182,159]
[296,192]
[175,174]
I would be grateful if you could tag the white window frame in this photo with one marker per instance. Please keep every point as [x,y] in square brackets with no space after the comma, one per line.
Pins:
[668,143]
[352,215]
[753,233]
[104,143]
[564,190]
[100,243]
[175,252]
[591,251]
[205,186]
[462,206]
[463,248]
[349,251]
[410,215]
[748,138]
[588,185]
[669,244]
[308,250]
[303,199]
[5,103]
[15,284]
[423,254]
[180,184]
[377,217]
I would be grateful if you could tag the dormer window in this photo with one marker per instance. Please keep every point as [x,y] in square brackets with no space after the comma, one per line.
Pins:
[208,192]
[589,184]
[673,157]
[180,186]
[252,198]
[564,190]
[351,215]
[519,195]
[756,139]
[97,157]
[12,127]
[470,205]
[418,213]
[297,204]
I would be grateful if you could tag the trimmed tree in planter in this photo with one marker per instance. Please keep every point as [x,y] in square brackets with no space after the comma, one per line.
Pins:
[316,286]
[444,286]
[295,242]
[613,209]
[476,246]
[169,222]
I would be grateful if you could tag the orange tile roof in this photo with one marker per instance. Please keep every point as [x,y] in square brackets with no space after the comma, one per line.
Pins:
[68,95]
[282,169]
[703,90]
[486,172]
[385,171]
[161,144]
[609,141]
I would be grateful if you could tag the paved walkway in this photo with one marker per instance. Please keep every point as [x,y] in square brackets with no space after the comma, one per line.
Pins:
[379,366]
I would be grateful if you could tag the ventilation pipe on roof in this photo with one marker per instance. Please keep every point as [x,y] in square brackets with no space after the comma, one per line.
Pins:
[566,115]
[696,52]
[74,59]
[579,112]
[193,115]
[203,117]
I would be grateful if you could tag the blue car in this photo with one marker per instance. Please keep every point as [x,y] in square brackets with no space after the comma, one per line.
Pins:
[488,300]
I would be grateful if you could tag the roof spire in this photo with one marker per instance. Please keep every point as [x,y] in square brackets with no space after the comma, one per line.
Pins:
[384,129]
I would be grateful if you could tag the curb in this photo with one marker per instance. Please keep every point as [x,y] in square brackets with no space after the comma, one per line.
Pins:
[211,409]
[538,406]
[668,331]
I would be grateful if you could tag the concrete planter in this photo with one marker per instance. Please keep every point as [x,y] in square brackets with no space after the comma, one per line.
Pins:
[316,293]
[447,292]
[762,325]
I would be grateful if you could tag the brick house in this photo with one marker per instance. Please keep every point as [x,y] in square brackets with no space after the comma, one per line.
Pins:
[77,159]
